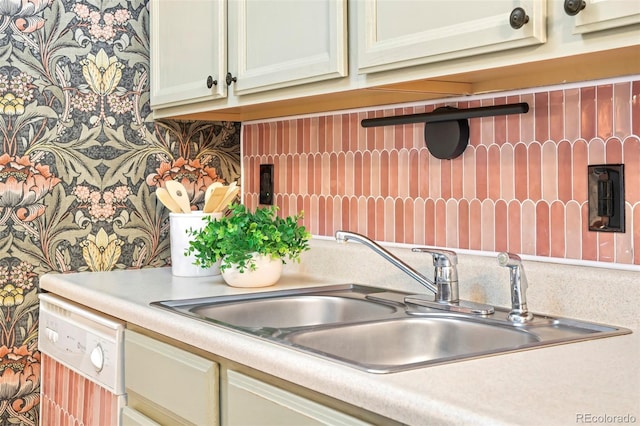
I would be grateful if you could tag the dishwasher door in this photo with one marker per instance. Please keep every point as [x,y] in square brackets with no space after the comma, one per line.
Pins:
[82,364]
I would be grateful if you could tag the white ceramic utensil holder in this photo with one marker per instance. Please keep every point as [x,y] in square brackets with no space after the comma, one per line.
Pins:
[179,226]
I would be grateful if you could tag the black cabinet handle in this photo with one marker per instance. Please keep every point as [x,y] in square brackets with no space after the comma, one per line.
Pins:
[573,7]
[211,82]
[230,79]
[518,18]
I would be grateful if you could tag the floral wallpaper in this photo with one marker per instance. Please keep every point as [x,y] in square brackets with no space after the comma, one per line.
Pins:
[81,157]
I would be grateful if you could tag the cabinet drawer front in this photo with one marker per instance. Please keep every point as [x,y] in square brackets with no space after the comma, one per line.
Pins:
[131,417]
[179,381]
[271,405]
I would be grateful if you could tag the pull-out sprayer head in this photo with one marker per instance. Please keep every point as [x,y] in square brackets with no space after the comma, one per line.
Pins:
[519,311]
[509,259]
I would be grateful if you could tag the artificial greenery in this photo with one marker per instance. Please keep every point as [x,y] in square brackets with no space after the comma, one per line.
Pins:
[235,237]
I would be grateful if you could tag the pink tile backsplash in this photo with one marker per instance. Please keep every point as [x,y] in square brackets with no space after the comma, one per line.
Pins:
[521,184]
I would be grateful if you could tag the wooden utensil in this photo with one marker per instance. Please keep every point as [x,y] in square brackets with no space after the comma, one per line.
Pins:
[210,189]
[179,194]
[215,199]
[229,196]
[229,188]
[165,198]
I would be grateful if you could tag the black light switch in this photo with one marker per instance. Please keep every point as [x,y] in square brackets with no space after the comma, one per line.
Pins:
[266,184]
[606,197]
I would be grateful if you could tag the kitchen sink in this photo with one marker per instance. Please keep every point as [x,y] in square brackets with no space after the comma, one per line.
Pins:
[293,311]
[383,345]
[378,330]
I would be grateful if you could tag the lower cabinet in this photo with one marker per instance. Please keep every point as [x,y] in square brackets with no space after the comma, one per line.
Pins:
[271,405]
[170,383]
[132,417]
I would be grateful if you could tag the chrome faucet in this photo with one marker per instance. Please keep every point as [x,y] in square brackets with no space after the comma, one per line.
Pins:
[445,283]
[518,282]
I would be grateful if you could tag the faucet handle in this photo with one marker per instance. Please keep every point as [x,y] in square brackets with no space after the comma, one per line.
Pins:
[441,258]
[445,273]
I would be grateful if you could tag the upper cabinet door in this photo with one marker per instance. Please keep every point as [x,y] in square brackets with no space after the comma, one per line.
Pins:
[399,33]
[282,43]
[188,51]
[605,14]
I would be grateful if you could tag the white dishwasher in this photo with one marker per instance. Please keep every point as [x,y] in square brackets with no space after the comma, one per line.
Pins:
[82,364]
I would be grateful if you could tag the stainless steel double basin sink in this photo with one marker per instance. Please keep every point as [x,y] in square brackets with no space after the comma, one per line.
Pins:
[376,330]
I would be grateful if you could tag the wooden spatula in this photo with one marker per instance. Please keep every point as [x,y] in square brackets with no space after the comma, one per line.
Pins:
[168,201]
[228,197]
[179,194]
[215,199]
[210,189]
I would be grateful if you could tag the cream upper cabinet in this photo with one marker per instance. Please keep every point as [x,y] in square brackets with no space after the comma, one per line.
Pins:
[596,15]
[399,33]
[283,43]
[203,49]
[289,57]
[188,52]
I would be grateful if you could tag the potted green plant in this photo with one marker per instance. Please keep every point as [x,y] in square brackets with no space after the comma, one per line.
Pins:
[250,245]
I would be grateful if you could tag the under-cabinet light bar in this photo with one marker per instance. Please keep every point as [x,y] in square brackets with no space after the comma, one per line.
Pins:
[447,115]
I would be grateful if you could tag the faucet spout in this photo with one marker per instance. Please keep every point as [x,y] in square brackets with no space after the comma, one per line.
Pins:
[344,236]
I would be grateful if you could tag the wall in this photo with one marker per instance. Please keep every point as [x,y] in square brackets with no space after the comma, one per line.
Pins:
[520,186]
[79,161]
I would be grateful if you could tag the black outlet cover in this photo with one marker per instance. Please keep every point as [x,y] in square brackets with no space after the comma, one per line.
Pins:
[606,197]
[266,184]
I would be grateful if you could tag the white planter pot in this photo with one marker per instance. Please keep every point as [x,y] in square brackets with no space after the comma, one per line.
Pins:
[267,272]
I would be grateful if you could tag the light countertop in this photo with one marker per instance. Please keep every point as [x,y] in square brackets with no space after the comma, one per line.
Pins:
[554,386]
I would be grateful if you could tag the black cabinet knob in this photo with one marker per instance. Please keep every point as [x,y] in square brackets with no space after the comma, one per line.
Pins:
[230,79]
[518,18]
[211,82]
[573,7]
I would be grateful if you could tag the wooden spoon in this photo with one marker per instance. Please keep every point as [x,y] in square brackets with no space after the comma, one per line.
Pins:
[215,199]
[179,194]
[165,198]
